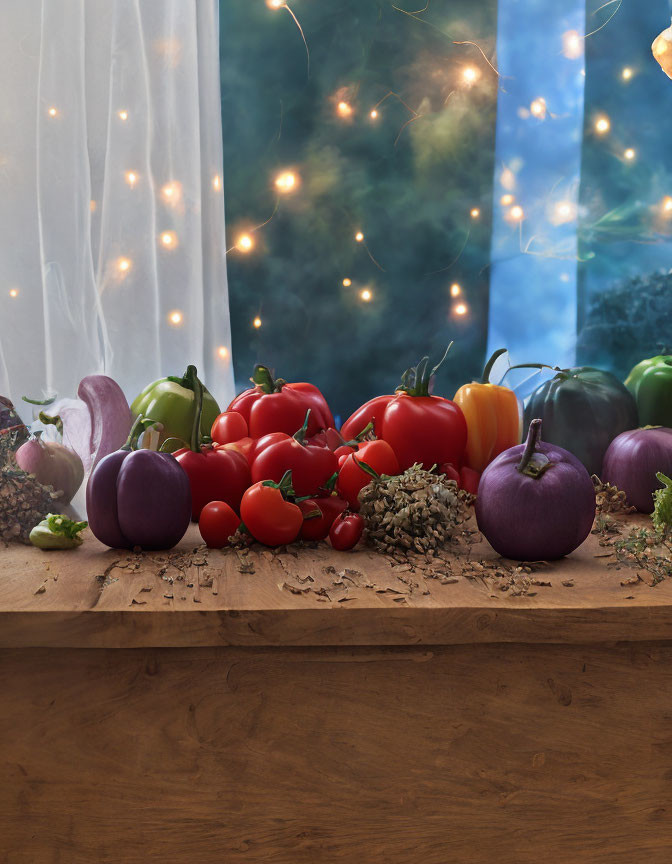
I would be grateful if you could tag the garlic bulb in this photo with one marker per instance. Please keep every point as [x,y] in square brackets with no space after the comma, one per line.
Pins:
[662,51]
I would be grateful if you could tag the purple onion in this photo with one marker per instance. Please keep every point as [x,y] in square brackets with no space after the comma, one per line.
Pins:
[632,460]
[536,501]
[138,498]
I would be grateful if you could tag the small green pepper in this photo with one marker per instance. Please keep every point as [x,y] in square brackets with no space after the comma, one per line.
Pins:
[650,382]
[170,401]
[57,532]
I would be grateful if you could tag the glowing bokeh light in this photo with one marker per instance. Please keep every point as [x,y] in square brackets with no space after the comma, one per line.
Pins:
[122,115]
[572,46]
[53,112]
[131,178]
[223,352]
[630,154]
[602,125]
[366,294]
[169,239]
[175,317]
[245,243]
[475,213]
[347,282]
[538,108]
[217,183]
[256,323]
[470,75]
[344,109]
[123,265]
[455,290]
[286,182]
[461,309]
[516,213]
[373,114]
[13,292]
[506,200]
[359,236]
[626,73]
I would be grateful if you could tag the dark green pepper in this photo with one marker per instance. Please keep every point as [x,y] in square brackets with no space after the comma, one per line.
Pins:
[170,401]
[583,410]
[650,382]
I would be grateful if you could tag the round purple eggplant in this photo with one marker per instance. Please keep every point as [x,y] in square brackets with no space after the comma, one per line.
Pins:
[138,498]
[536,501]
[632,461]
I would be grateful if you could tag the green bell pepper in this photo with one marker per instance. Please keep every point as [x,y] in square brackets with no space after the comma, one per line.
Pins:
[170,401]
[650,382]
[583,410]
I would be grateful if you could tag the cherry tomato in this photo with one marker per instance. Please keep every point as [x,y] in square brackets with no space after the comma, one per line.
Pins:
[351,477]
[268,517]
[317,527]
[217,523]
[215,474]
[346,531]
[273,405]
[230,426]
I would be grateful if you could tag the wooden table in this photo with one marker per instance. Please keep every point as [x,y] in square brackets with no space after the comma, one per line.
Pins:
[210,714]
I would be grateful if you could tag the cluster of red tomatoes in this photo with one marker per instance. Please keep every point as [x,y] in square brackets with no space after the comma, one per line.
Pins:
[278,464]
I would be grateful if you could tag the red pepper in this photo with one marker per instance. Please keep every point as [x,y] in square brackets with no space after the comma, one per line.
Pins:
[266,514]
[230,426]
[311,466]
[273,405]
[215,473]
[419,427]
[346,531]
[319,514]
[378,455]
[469,479]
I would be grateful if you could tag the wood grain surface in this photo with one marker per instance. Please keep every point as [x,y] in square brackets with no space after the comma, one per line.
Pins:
[97,597]
[452,755]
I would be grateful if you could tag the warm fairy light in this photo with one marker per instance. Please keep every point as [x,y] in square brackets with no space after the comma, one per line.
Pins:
[344,109]
[223,352]
[359,236]
[461,309]
[52,112]
[131,178]
[347,282]
[564,211]
[373,114]
[455,290]
[516,213]
[470,74]
[630,154]
[602,125]
[123,265]
[366,294]
[626,73]
[571,44]
[216,182]
[667,205]
[275,4]
[171,192]
[175,317]
[245,243]
[169,239]
[92,206]
[122,115]
[538,108]
[506,200]
[285,181]
[475,213]
[13,292]
[256,323]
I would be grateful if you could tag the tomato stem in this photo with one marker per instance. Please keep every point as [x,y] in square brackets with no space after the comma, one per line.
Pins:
[300,435]
[416,380]
[262,377]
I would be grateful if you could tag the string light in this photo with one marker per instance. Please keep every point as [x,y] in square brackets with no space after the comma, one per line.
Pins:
[169,239]
[216,182]
[223,352]
[93,206]
[602,125]
[373,114]
[571,44]
[359,236]
[475,213]
[52,112]
[366,295]
[516,213]
[455,290]
[344,109]
[275,4]
[538,108]
[564,211]
[171,192]
[506,200]
[256,323]
[626,73]
[175,317]
[470,75]
[13,292]
[286,182]
[347,282]
[630,154]
[461,309]
[245,243]
[123,265]
[131,178]
[122,115]
[667,206]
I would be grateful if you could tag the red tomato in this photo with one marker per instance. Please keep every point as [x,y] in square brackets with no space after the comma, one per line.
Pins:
[351,477]
[418,427]
[346,531]
[311,466]
[469,480]
[215,474]
[268,517]
[450,471]
[243,445]
[229,427]
[217,523]
[272,405]
[317,527]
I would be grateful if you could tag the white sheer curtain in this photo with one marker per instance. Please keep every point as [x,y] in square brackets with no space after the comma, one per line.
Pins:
[111,196]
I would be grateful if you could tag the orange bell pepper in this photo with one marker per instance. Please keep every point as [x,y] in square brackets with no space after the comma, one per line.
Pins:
[494,418]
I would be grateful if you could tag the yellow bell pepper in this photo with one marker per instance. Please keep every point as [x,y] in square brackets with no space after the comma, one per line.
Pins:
[494,418]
